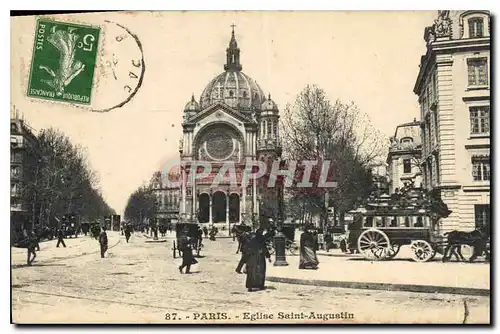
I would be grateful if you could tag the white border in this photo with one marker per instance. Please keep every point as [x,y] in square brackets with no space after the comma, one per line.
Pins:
[197,5]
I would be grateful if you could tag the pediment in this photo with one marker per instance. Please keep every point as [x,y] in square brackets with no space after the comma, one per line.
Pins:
[220,110]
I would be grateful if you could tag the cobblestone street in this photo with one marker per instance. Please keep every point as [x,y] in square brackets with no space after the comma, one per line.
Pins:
[140,282]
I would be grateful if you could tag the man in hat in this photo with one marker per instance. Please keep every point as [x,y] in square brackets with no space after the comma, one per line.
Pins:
[187,252]
[60,236]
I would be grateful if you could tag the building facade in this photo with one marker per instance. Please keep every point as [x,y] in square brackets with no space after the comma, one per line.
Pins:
[403,159]
[233,121]
[23,156]
[453,86]
[165,187]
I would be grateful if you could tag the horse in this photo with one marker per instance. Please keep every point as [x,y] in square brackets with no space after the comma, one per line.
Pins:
[477,239]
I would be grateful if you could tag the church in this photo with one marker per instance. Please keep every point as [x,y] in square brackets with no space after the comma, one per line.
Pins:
[235,121]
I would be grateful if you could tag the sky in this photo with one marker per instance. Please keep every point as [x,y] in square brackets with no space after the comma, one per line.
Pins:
[370,58]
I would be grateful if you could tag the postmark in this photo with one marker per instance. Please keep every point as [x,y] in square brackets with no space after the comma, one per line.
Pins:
[63,62]
[121,68]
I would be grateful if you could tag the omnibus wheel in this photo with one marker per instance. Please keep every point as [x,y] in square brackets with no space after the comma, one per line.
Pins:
[374,244]
[422,251]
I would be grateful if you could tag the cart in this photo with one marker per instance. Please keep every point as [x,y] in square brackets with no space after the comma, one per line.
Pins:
[183,231]
[382,225]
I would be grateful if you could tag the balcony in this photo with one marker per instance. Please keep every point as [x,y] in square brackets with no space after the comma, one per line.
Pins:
[268,144]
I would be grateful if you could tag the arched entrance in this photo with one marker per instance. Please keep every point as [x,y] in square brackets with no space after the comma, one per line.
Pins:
[234,208]
[204,208]
[219,207]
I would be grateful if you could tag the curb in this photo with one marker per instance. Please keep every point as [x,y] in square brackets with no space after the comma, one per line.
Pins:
[384,286]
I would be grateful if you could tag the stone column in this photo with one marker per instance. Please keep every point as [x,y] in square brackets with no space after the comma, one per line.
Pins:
[194,200]
[227,211]
[183,191]
[210,209]
[239,211]
[243,199]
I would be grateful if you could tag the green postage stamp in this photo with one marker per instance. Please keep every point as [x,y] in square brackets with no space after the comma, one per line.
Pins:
[63,64]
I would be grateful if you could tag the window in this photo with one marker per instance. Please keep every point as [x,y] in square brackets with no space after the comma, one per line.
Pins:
[275,129]
[15,157]
[482,215]
[407,140]
[231,93]
[406,166]
[479,119]
[13,127]
[480,169]
[476,27]
[269,127]
[477,69]
[14,171]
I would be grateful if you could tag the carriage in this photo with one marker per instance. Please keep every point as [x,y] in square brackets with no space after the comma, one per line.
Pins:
[181,235]
[384,224]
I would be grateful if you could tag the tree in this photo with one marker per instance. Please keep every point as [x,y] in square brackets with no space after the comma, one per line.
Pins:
[58,180]
[140,205]
[315,129]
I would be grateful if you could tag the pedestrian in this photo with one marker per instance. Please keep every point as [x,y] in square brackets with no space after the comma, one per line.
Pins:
[328,240]
[34,237]
[256,262]
[308,247]
[205,231]
[128,231]
[60,237]
[30,246]
[243,245]
[233,232]
[187,253]
[199,235]
[213,233]
[103,241]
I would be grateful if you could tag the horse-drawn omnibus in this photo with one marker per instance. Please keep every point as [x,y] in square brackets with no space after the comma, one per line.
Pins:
[382,225]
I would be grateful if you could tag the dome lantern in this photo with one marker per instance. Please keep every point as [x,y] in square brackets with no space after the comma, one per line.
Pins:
[269,104]
[233,54]
[192,106]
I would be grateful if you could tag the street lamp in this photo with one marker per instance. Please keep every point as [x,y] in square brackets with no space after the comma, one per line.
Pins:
[280,238]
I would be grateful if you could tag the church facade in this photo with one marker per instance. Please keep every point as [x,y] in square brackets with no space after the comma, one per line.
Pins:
[233,121]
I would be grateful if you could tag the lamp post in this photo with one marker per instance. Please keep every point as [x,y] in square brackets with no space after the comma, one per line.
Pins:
[280,238]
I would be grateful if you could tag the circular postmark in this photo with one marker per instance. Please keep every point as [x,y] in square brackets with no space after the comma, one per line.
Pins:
[120,72]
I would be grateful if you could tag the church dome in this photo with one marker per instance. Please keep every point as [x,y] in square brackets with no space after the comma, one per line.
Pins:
[234,88]
[269,104]
[192,105]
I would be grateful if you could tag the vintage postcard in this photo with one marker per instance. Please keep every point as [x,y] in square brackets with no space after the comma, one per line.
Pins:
[251,167]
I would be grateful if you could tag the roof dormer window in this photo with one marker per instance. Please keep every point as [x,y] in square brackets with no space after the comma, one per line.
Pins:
[476,27]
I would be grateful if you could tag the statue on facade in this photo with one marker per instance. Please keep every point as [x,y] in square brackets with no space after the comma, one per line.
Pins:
[442,25]
[429,35]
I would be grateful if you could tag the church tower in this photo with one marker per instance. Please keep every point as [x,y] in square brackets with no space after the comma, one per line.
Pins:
[269,150]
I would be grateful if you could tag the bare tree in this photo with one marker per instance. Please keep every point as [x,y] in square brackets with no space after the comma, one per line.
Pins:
[316,129]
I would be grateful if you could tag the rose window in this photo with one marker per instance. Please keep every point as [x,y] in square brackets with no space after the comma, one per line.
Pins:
[219,145]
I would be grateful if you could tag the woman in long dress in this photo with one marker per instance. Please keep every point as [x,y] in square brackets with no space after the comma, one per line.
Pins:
[308,247]
[256,262]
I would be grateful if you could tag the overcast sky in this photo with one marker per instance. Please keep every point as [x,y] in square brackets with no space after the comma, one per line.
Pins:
[370,58]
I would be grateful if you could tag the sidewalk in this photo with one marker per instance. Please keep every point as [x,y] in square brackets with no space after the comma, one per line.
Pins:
[75,247]
[401,274]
